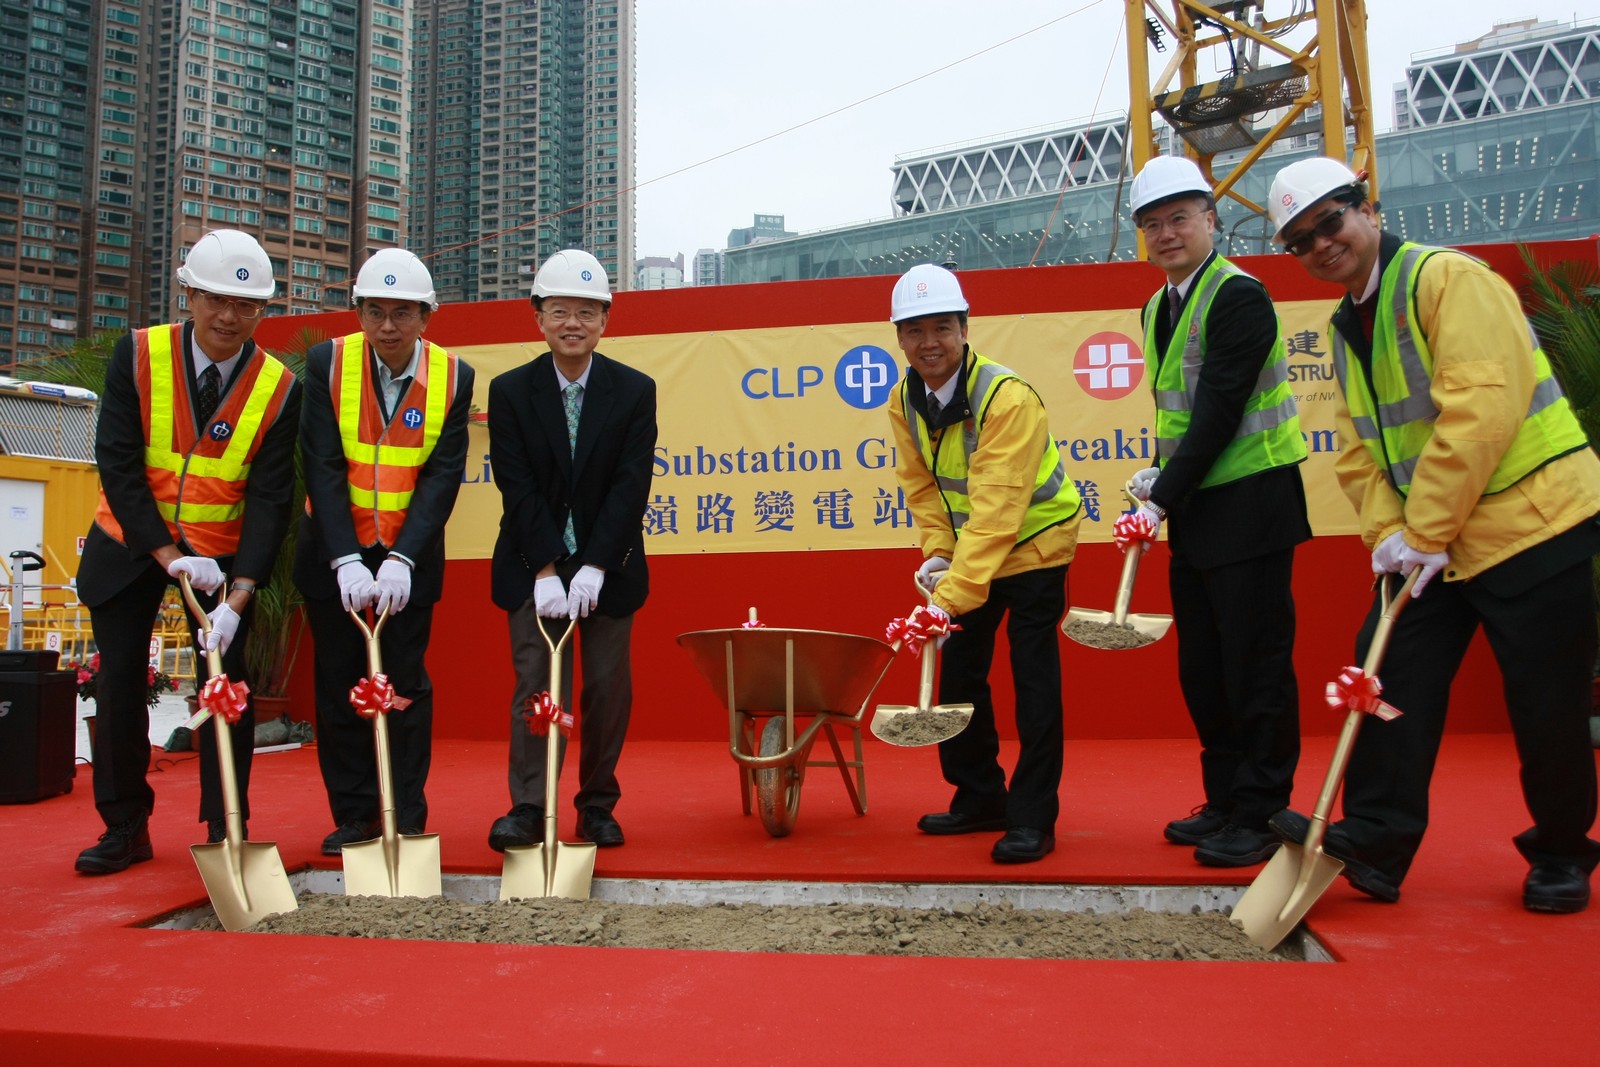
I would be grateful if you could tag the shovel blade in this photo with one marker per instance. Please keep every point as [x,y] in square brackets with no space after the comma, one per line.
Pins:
[413,873]
[245,886]
[940,723]
[525,875]
[1283,892]
[1098,629]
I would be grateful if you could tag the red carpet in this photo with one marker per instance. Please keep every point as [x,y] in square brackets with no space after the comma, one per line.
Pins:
[1456,973]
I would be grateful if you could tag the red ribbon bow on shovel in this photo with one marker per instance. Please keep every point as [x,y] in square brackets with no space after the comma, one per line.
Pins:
[222,698]
[1356,690]
[373,696]
[542,710]
[753,624]
[918,627]
[1132,528]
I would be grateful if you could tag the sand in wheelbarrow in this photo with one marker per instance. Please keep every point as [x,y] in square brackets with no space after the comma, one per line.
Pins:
[1106,634]
[921,727]
[980,929]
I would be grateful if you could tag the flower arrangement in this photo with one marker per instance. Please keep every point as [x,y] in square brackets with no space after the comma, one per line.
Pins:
[156,681]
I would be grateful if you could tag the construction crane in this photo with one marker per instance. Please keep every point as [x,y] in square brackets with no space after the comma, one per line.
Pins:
[1298,74]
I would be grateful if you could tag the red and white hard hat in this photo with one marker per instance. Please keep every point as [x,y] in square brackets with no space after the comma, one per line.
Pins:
[925,290]
[1302,184]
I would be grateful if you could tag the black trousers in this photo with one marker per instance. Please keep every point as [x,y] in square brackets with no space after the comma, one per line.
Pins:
[1031,604]
[122,629]
[1236,669]
[605,704]
[345,744]
[1544,641]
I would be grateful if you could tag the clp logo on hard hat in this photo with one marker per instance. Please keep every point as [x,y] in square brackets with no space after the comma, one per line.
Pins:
[1108,366]
[389,279]
[242,274]
[586,275]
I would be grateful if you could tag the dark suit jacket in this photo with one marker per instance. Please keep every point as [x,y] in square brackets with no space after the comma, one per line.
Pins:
[107,566]
[1254,516]
[605,486]
[328,532]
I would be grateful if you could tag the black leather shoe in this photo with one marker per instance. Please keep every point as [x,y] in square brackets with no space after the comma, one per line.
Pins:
[120,847]
[1561,888]
[1023,844]
[217,830]
[1201,823]
[1236,846]
[348,833]
[1292,827]
[521,826]
[597,825]
[941,823]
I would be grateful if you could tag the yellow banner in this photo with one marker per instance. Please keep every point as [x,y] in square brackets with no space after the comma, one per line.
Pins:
[778,439]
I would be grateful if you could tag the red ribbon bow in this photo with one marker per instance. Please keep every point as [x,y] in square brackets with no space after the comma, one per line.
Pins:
[918,627]
[753,624]
[373,696]
[1132,527]
[223,698]
[542,710]
[1356,690]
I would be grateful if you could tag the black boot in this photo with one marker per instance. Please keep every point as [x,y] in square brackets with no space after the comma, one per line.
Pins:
[122,845]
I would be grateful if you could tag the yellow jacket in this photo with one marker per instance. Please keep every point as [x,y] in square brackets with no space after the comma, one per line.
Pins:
[1482,384]
[1000,482]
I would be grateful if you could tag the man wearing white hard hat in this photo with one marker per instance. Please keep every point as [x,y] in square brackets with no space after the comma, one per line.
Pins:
[572,436]
[383,443]
[998,519]
[1465,462]
[195,445]
[1227,487]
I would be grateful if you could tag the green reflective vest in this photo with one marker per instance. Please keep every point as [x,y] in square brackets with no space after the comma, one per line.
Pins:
[1268,435]
[1394,413]
[1055,497]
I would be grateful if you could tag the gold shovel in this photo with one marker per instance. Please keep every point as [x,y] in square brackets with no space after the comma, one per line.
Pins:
[1117,629]
[933,722]
[1298,874]
[389,865]
[554,868]
[244,879]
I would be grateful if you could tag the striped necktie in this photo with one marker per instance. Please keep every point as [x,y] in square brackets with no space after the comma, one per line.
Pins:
[572,400]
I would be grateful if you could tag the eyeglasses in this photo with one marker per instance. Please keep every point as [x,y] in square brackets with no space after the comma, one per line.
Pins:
[1327,226]
[244,309]
[374,315]
[558,315]
[1152,227]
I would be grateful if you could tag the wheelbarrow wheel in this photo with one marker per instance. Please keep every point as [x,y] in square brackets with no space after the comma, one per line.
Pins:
[778,788]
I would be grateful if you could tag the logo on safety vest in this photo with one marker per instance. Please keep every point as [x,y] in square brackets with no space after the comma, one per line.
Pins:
[1108,365]
[412,417]
[221,431]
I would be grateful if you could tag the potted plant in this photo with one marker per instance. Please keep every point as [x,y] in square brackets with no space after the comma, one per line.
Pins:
[157,684]
[1564,307]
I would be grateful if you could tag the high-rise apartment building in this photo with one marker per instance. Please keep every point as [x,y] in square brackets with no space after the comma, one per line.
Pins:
[128,128]
[708,267]
[549,162]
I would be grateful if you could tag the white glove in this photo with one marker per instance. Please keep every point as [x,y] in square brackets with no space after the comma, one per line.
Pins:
[224,624]
[355,586]
[203,572]
[942,616]
[931,571]
[1430,562]
[1142,482]
[585,591]
[550,598]
[1386,557]
[392,586]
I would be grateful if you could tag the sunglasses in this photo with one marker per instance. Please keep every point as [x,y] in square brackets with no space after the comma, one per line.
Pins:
[1327,226]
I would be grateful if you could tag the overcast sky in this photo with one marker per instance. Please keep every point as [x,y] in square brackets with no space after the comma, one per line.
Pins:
[718,75]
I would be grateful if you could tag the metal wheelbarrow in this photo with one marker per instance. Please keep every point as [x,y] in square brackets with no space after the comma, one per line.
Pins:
[770,679]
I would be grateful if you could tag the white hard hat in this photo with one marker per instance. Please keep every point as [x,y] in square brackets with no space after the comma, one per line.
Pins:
[395,274]
[1301,184]
[572,272]
[228,263]
[925,290]
[1163,178]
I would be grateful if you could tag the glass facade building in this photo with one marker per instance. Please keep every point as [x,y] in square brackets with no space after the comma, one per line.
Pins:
[1494,141]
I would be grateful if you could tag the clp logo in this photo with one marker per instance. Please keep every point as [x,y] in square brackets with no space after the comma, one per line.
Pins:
[865,376]
[412,417]
[221,431]
[242,274]
[1108,365]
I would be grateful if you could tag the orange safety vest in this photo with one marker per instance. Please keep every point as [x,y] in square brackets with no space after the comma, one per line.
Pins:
[199,479]
[385,459]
